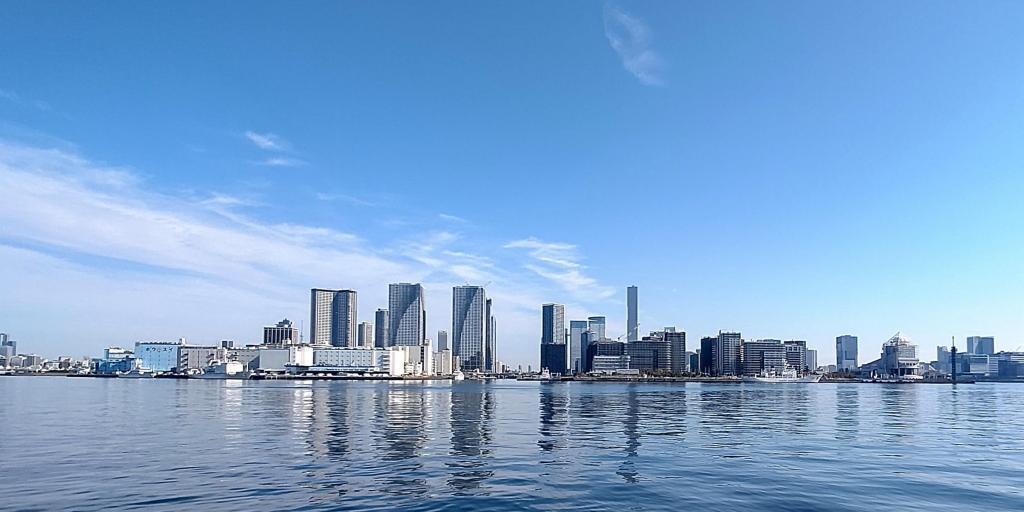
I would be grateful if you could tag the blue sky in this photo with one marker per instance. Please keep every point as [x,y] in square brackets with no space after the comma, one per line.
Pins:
[786,169]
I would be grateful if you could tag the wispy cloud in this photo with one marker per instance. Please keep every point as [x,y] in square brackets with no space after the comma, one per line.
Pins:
[451,218]
[334,196]
[559,263]
[17,99]
[267,141]
[630,37]
[281,162]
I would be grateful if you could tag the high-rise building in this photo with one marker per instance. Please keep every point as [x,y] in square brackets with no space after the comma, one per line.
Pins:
[729,356]
[469,327]
[332,317]
[796,354]
[708,353]
[8,347]
[943,360]
[577,348]
[284,333]
[846,353]
[632,325]
[442,340]
[365,337]
[380,328]
[597,325]
[763,356]
[812,359]
[981,345]
[554,353]
[677,342]
[407,318]
[490,361]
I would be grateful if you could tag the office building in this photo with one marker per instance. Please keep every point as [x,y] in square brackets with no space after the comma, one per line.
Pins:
[442,341]
[577,347]
[600,354]
[380,328]
[554,353]
[284,333]
[981,345]
[365,337]
[943,360]
[332,317]
[407,315]
[491,339]
[796,354]
[693,364]
[632,325]
[729,354]
[708,356]
[8,347]
[812,359]
[597,325]
[846,353]
[469,327]
[764,356]
[677,342]
[650,354]
[368,361]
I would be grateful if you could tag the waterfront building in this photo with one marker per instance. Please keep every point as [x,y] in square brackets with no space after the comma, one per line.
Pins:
[611,364]
[812,359]
[587,343]
[442,340]
[632,324]
[652,353]
[577,346]
[193,357]
[284,333]
[899,357]
[8,347]
[365,361]
[407,315]
[380,328]
[443,362]
[693,361]
[469,327]
[419,359]
[249,356]
[365,337]
[729,360]
[597,324]
[981,345]
[114,360]
[846,353]
[32,360]
[491,339]
[796,354]
[708,355]
[332,317]
[764,356]
[943,360]
[677,344]
[1010,364]
[159,356]
[554,353]
[274,359]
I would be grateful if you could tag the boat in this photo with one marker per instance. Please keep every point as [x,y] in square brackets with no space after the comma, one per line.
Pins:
[787,376]
[458,375]
[138,372]
[222,370]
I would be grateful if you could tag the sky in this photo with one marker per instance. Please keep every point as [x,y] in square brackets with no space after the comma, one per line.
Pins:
[789,169]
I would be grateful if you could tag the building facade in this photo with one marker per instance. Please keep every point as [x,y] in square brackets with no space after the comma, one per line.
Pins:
[632,324]
[159,356]
[554,353]
[407,315]
[284,333]
[332,317]
[981,345]
[380,328]
[469,327]
[365,337]
[764,356]
[846,353]
[577,349]
[597,325]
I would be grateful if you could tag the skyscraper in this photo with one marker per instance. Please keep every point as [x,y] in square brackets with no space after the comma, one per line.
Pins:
[553,350]
[631,321]
[981,345]
[490,357]
[442,340]
[846,352]
[365,337]
[812,359]
[729,357]
[469,327]
[380,328]
[8,347]
[284,333]
[332,317]
[596,324]
[708,356]
[763,356]
[577,345]
[407,318]
[796,354]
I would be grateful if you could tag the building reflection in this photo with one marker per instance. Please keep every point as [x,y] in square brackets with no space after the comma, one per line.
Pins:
[847,411]
[631,431]
[472,431]
[402,422]
[554,413]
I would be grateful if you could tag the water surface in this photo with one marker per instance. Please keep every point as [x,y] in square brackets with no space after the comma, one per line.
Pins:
[96,444]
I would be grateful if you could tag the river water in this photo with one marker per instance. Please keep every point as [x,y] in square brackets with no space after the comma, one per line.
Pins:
[97,444]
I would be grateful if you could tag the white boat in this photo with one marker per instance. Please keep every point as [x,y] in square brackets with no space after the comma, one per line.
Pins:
[787,376]
[224,370]
[458,375]
[137,373]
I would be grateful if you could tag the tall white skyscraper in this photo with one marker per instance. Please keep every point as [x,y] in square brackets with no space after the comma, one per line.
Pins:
[380,328]
[407,317]
[332,317]
[596,325]
[632,325]
[469,327]
[846,352]
[577,348]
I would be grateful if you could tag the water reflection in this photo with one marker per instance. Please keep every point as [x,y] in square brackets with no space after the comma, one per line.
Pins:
[847,418]
[472,414]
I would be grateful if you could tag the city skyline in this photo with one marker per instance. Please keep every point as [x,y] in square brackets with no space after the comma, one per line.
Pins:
[869,189]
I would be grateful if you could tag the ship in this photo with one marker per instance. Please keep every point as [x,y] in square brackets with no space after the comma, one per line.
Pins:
[787,376]
[223,370]
[138,372]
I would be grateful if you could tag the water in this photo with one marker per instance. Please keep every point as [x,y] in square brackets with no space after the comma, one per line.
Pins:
[94,444]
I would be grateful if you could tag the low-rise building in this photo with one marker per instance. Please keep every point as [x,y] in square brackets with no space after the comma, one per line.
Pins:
[365,361]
